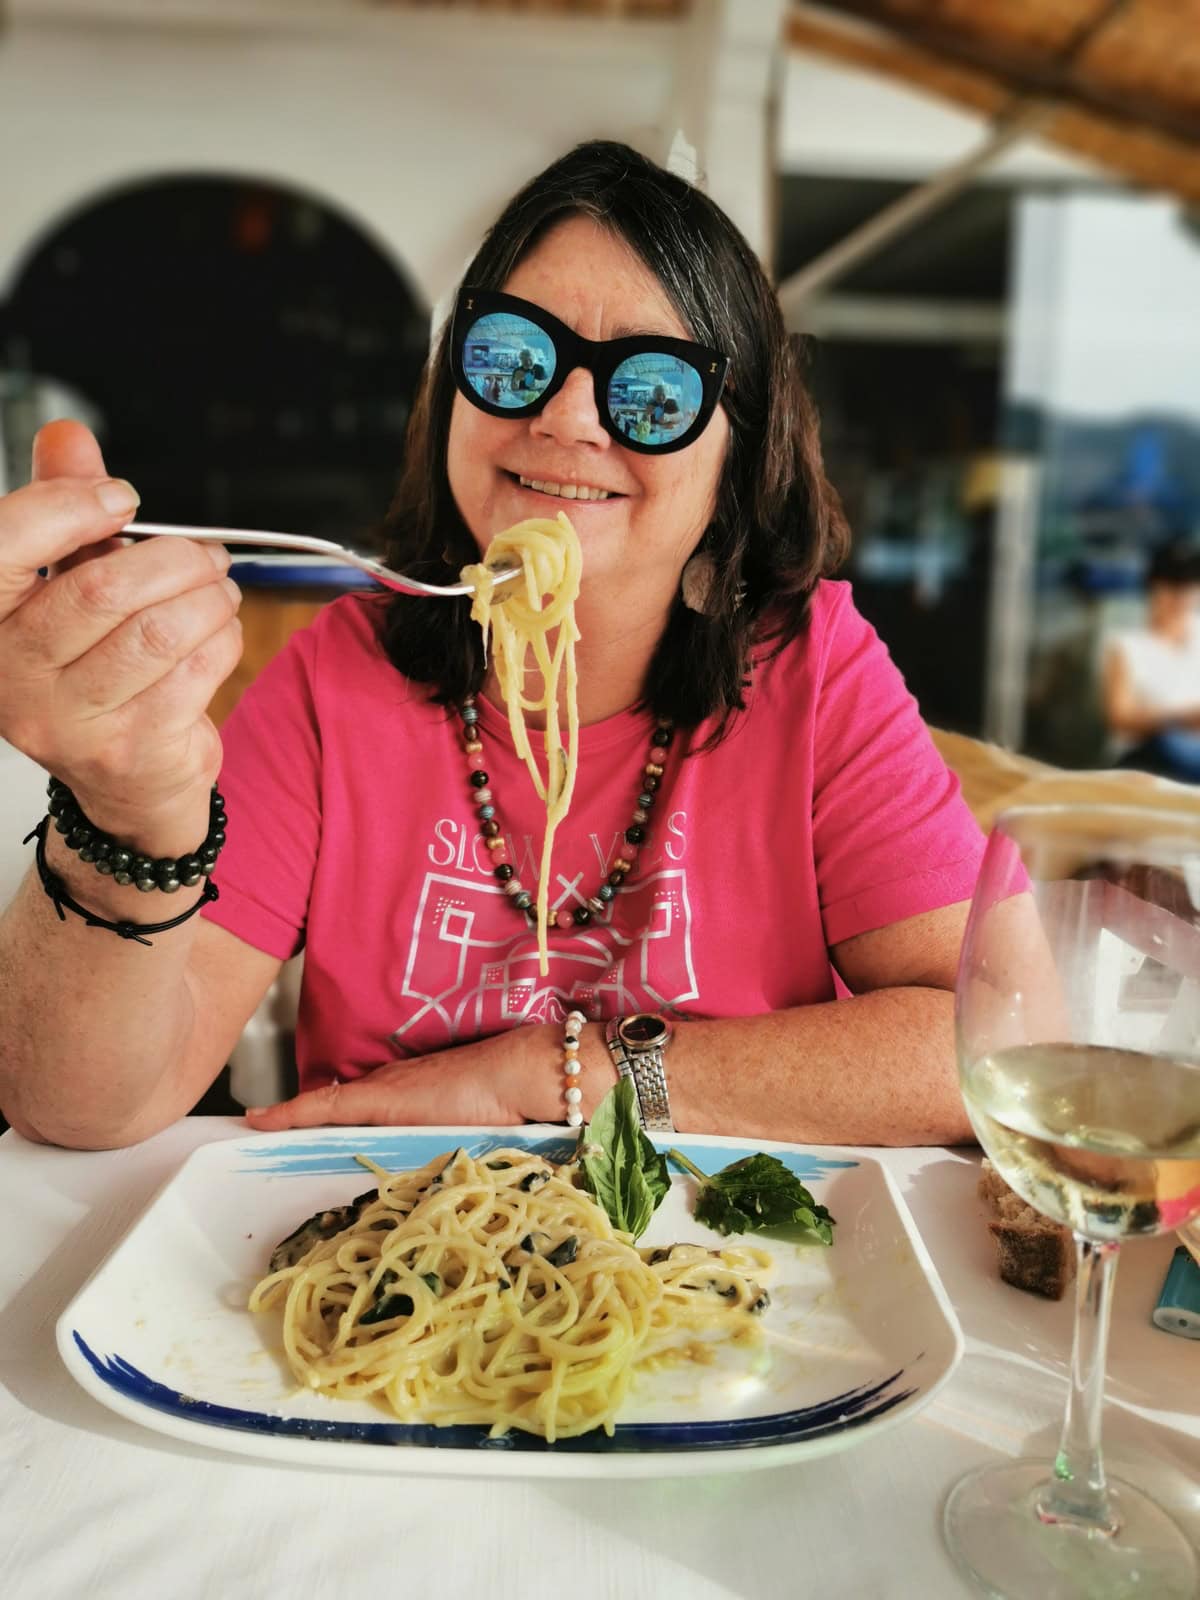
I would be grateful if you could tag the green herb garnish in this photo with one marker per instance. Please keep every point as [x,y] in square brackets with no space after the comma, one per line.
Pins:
[755,1193]
[562,1255]
[621,1169]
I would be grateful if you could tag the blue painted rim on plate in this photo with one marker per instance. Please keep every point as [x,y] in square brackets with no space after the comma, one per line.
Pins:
[398,1150]
[852,1409]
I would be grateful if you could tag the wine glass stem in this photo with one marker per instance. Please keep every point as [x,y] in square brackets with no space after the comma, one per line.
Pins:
[1078,1491]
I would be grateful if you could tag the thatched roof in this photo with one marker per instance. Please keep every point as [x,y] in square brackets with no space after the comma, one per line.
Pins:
[660,10]
[1123,75]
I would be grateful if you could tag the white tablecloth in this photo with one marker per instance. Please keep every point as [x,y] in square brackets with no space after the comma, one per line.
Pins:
[92,1505]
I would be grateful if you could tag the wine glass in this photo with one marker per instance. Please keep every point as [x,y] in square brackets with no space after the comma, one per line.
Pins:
[1078,1023]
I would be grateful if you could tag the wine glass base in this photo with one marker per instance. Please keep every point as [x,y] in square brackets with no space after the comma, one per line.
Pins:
[996,1537]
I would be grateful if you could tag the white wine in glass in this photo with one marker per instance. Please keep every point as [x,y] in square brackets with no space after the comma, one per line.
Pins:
[1078,1021]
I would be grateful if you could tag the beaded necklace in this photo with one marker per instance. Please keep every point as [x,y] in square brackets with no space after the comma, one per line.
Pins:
[490,828]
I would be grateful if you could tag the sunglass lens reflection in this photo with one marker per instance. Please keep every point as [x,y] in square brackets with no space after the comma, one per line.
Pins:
[508,360]
[654,398]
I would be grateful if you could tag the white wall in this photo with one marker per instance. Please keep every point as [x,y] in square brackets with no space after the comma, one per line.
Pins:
[1107,298]
[418,126]
[725,85]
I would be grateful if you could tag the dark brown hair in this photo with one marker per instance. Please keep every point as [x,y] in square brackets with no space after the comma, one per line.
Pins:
[777,525]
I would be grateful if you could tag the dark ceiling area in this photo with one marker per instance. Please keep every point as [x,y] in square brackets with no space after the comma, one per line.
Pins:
[250,354]
[958,253]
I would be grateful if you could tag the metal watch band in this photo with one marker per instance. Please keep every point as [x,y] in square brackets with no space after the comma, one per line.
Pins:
[616,1049]
[648,1070]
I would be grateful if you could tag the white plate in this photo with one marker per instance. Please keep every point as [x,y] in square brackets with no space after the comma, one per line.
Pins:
[860,1335]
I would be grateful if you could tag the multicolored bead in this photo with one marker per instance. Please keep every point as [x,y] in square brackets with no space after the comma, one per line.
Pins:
[572,1093]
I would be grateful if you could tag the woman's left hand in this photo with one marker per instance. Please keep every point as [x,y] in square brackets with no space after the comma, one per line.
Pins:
[499,1082]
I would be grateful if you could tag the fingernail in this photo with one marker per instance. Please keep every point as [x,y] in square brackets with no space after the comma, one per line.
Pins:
[235,594]
[118,497]
[254,1111]
[219,556]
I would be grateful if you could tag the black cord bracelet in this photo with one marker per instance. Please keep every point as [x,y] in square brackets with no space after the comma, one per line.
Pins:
[114,860]
[57,891]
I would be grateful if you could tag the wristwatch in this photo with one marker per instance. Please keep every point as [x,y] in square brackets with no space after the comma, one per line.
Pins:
[638,1045]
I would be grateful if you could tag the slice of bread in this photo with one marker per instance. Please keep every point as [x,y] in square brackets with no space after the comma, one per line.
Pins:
[1034,1253]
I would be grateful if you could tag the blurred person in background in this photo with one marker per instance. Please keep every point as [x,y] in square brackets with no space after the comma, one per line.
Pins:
[1151,679]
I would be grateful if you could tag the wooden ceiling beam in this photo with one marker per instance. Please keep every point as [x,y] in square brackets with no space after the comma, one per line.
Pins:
[1137,153]
[1023,73]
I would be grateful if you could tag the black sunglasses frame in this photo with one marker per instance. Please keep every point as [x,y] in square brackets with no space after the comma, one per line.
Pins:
[600,357]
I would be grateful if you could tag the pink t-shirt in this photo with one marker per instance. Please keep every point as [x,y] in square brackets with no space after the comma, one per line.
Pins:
[353,836]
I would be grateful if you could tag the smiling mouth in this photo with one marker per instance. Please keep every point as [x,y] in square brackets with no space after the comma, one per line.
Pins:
[564,491]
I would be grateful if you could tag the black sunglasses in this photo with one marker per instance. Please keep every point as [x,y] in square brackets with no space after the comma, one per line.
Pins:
[653,393]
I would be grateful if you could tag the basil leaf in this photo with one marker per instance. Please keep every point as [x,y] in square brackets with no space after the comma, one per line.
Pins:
[755,1193]
[621,1169]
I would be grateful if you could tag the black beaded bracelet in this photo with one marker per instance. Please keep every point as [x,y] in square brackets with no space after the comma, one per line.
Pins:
[57,890]
[114,860]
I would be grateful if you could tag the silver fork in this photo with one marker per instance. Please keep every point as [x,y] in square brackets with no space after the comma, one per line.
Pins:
[313,546]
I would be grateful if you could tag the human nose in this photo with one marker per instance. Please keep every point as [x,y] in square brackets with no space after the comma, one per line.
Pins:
[570,416]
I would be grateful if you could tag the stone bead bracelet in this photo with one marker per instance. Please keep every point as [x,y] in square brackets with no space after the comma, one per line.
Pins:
[114,860]
[572,1093]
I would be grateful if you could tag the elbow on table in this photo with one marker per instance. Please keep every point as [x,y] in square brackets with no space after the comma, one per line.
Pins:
[70,1138]
[82,1134]
[945,1121]
[910,1133]
[19,1125]
[941,1120]
[952,1130]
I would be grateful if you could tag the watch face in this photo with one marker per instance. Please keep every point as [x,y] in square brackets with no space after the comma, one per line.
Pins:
[645,1030]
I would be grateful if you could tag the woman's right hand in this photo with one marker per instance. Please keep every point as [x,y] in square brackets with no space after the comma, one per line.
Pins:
[107,666]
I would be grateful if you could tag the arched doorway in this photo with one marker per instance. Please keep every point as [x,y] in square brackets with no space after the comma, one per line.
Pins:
[248,354]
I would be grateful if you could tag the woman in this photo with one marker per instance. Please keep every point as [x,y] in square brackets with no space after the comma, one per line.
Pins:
[800,824]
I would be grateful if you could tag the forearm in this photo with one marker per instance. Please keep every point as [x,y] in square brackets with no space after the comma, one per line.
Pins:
[1140,722]
[876,1069]
[87,1020]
